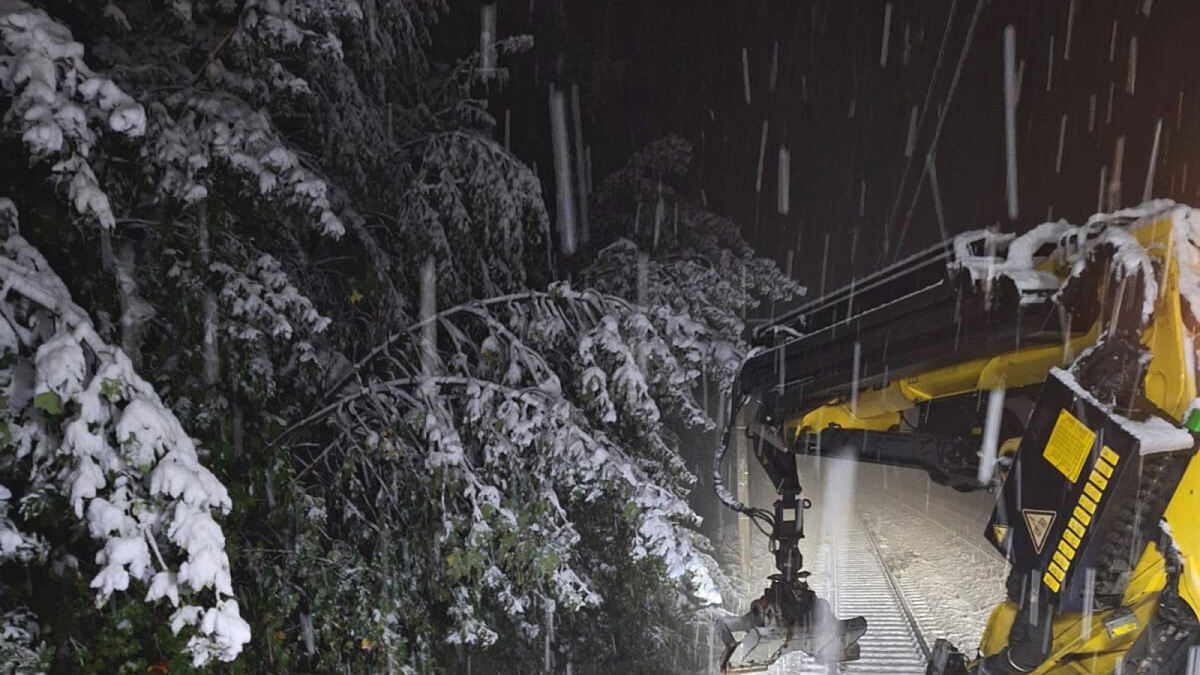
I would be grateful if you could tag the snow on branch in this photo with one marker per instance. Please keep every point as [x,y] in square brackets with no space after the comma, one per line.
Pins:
[540,404]
[61,109]
[479,210]
[92,430]
[191,134]
[58,102]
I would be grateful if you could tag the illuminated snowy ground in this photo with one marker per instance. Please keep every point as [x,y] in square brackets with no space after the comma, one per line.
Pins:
[928,536]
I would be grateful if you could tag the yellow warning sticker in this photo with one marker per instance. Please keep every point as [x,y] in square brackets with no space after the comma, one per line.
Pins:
[1123,629]
[999,532]
[1121,624]
[1071,538]
[1051,582]
[1083,516]
[1069,445]
[1066,549]
[1038,523]
[1057,571]
[1109,456]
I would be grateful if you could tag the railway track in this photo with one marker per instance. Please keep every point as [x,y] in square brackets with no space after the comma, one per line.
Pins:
[855,580]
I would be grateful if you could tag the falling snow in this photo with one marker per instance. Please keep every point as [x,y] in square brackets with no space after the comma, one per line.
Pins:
[418,330]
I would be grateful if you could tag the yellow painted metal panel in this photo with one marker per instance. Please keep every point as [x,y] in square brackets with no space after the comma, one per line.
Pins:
[995,634]
[839,416]
[1185,528]
[1170,382]
[878,409]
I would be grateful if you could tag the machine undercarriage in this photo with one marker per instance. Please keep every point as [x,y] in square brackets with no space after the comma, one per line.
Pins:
[1056,370]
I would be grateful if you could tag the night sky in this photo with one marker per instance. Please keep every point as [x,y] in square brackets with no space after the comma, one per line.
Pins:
[651,67]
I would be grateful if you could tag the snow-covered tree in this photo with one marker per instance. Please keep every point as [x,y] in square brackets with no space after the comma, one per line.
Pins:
[687,259]
[84,434]
[669,252]
[210,312]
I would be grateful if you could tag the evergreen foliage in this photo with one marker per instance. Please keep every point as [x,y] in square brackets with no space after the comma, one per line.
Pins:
[291,381]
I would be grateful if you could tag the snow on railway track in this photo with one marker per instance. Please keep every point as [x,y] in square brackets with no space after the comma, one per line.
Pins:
[855,580]
[950,578]
[963,521]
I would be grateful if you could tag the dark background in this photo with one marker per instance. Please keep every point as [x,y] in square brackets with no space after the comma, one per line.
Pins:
[647,68]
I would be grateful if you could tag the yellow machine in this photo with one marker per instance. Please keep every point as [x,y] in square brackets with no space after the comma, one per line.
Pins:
[1057,369]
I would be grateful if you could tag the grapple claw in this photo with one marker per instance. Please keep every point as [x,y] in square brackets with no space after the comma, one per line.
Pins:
[787,620]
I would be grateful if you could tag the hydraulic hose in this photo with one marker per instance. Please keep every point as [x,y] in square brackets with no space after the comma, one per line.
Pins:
[722,492]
